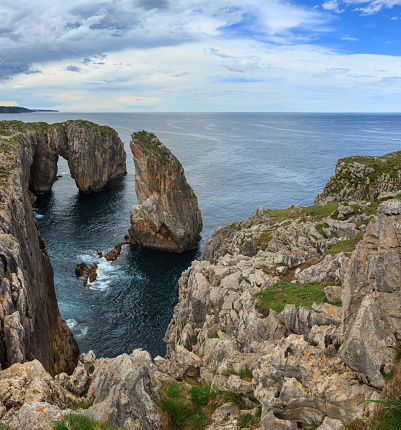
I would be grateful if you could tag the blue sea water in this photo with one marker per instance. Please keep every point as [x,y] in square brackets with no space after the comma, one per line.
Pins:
[233,161]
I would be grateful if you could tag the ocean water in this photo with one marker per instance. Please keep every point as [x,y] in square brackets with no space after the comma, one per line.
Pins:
[233,161]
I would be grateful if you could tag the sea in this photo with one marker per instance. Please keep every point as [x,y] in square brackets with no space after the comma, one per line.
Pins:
[233,161]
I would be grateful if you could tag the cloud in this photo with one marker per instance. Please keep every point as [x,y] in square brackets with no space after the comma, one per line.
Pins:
[332,5]
[371,7]
[37,32]
[8,103]
[72,68]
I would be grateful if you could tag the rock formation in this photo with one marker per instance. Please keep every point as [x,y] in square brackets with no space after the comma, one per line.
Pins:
[95,153]
[31,325]
[167,217]
[372,297]
[255,306]
[363,178]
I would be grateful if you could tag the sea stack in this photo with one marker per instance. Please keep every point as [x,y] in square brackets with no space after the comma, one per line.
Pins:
[168,217]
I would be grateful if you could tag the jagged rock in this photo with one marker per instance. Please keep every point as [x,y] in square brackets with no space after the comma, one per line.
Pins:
[115,252]
[331,424]
[224,416]
[315,385]
[329,270]
[300,320]
[78,383]
[125,393]
[371,295]
[233,384]
[333,294]
[167,217]
[362,178]
[27,383]
[83,271]
[33,327]
[93,273]
[344,212]
[35,416]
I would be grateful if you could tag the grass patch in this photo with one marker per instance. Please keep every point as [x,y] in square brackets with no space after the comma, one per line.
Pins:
[191,407]
[284,292]
[346,246]
[246,375]
[80,422]
[319,228]
[312,213]
[247,420]
[87,403]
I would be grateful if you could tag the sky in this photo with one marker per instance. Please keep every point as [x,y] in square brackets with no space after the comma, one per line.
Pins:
[201,55]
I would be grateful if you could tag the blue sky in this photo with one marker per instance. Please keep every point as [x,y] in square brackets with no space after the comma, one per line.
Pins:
[209,55]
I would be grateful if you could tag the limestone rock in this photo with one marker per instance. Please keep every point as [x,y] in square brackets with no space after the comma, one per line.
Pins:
[167,217]
[329,270]
[333,294]
[38,416]
[371,297]
[33,327]
[125,392]
[362,178]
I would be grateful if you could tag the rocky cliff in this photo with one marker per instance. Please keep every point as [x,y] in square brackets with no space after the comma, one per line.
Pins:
[363,178]
[30,323]
[95,153]
[167,217]
[289,322]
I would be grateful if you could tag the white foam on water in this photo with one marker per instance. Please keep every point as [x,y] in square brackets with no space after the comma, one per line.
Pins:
[106,272]
[71,323]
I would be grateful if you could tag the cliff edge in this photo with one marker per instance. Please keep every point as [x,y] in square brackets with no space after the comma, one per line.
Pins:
[95,154]
[168,217]
[31,324]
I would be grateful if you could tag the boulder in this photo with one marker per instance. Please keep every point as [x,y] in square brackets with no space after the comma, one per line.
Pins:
[167,216]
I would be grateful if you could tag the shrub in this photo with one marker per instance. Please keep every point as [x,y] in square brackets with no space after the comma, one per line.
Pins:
[80,422]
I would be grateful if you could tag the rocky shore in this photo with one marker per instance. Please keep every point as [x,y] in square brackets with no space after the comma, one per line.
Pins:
[290,321]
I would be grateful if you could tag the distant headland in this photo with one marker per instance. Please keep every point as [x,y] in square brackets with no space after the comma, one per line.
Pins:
[19,109]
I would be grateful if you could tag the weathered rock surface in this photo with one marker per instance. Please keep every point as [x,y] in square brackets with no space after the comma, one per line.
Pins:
[95,153]
[363,178]
[167,217]
[371,297]
[31,323]
[124,390]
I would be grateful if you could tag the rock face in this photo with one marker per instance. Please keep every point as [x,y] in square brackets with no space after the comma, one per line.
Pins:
[363,178]
[95,153]
[372,297]
[32,327]
[167,217]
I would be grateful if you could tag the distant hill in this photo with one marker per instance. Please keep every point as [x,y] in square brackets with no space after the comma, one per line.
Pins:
[18,109]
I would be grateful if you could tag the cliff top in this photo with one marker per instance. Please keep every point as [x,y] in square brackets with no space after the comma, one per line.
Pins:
[151,146]
[10,128]
[363,178]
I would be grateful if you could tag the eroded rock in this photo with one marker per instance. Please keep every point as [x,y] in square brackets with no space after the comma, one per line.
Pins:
[167,216]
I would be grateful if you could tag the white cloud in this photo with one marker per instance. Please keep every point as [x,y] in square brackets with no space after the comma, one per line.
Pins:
[8,103]
[373,6]
[332,5]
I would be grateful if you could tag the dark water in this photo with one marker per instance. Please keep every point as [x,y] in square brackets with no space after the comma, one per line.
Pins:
[233,161]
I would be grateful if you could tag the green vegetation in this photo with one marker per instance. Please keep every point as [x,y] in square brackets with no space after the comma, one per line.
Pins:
[5,428]
[285,292]
[80,422]
[243,374]
[320,227]
[246,419]
[149,148]
[87,403]
[190,407]
[348,174]
[346,246]
[304,213]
